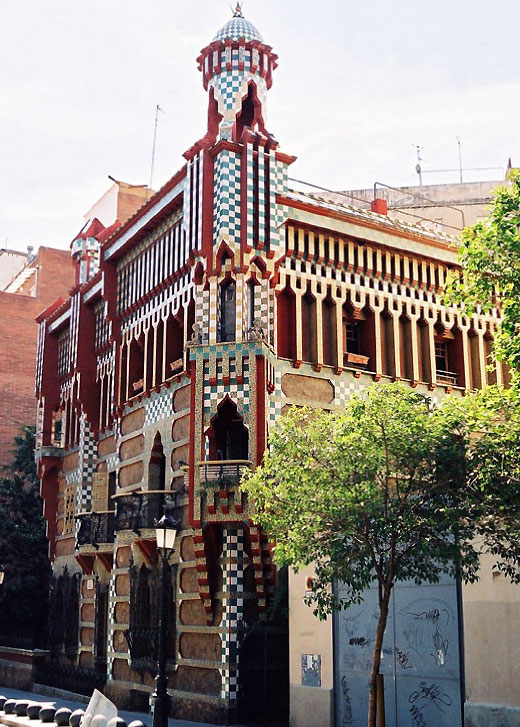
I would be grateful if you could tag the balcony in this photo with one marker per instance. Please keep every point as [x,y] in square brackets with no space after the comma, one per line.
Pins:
[220,492]
[446,377]
[95,528]
[139,510]
[222,473]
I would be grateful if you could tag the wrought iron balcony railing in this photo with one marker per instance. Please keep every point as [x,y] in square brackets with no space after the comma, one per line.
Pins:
[95,528]
[140,510]
[222,473]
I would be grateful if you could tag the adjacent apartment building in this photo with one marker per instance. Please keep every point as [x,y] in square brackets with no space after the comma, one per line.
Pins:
[227,297]
[30,283]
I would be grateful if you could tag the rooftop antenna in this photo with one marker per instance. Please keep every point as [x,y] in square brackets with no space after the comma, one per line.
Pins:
[157,109]
[418,167]
[460,159]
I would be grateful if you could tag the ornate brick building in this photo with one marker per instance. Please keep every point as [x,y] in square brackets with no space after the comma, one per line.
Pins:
[227,297]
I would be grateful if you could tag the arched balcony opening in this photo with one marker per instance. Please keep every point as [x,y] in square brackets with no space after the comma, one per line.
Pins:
[329,331]
[387,344]
[159,353]
[309,337]
[150,363]
[449,355]
[286,331]
[405,347]
[424,352]
[359,350]
[136,366]
[228,437]
[174,344]
[123,378]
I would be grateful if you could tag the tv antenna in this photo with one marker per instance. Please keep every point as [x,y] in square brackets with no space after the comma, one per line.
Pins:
[460,159]
[157,109]
[418,167]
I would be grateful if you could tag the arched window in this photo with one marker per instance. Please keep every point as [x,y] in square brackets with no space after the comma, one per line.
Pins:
[157,465]
[228,437]
[228,311]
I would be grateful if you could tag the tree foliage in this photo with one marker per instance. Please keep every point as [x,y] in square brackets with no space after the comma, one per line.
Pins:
[23,545]
[490,257]
[389,489]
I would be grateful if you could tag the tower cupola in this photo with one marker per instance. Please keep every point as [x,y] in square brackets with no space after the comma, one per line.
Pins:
[237,68]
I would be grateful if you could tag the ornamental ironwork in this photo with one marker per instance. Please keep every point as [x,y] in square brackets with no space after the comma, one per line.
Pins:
[142,635]
[64,614]
[95,528]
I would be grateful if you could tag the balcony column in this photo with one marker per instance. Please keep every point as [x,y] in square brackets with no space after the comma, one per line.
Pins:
[232,563]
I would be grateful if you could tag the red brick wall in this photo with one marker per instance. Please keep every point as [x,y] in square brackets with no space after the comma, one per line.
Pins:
[18,339]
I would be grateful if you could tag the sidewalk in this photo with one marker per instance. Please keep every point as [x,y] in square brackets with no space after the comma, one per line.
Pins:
[14,721]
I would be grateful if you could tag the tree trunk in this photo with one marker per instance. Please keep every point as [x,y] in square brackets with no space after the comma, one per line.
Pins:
[376,659]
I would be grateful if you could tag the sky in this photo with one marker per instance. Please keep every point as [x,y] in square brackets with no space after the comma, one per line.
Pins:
[358,85]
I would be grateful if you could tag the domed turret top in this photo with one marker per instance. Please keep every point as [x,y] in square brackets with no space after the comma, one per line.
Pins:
[238,28]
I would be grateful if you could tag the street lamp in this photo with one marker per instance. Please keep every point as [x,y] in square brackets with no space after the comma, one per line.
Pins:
[166,531]
[2,574]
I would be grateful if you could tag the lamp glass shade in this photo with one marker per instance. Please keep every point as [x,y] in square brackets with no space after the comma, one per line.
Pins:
[2,574]
[165,537]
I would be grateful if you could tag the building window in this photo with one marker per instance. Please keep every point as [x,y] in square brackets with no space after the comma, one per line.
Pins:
[63,353]
[350,336]
[441,356]
[69,509]
[227,311]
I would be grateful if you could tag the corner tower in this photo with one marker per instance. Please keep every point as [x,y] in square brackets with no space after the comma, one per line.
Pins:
[237,68]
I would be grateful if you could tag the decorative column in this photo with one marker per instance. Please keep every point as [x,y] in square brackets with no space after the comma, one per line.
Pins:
[232,563]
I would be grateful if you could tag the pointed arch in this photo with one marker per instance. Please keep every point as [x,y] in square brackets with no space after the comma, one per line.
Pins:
[224,253]
[250,114]
[227,434]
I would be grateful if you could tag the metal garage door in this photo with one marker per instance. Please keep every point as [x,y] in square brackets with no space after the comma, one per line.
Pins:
[420,660]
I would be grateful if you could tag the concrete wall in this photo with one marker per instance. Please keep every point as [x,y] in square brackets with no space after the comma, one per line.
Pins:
[309,706]
[492,646]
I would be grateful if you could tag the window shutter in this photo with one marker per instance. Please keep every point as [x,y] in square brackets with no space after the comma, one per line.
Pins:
[99,491]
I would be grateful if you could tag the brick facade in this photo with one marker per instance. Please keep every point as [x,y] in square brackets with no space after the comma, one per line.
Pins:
[19,333]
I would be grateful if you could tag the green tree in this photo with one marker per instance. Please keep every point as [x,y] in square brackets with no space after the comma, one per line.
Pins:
[23,545]
[489,254]
[386,490]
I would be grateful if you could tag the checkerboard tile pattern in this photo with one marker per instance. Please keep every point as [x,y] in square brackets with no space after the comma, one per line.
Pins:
[202,311]
[230,87]
[214,393]
[250,201]
[232,608]
[227,197]
[158,407]
[345,386]
[279,183]
[87,454]
[111,620]
[276,400]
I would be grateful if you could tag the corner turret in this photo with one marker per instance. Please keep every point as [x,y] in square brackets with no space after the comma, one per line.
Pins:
[237,68]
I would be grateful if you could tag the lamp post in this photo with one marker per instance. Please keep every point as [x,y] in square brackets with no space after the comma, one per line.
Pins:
[166,530]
